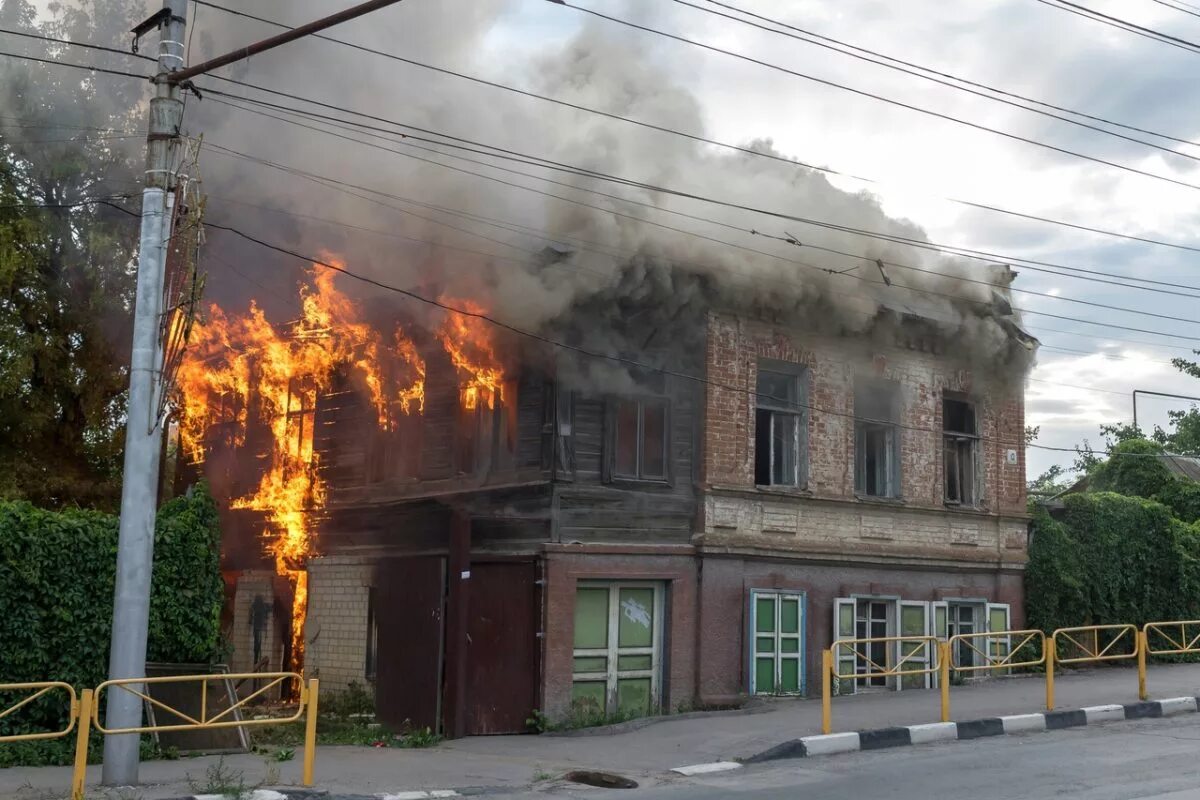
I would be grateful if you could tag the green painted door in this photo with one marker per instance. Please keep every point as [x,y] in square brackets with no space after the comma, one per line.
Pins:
[777,655]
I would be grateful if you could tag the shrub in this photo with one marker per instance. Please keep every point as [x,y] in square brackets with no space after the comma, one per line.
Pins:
[56,592]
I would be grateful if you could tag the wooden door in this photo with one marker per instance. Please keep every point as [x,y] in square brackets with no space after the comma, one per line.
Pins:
[502,671]
[409,623]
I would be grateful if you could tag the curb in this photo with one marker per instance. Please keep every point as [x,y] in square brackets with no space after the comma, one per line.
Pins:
[882,738]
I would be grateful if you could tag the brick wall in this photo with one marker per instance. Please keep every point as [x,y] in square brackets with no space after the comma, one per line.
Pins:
[336,629]
[729,579]
[566,565]
[734,348]
[255,587]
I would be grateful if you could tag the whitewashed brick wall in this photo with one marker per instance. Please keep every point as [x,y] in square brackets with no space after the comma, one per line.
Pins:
[336,629]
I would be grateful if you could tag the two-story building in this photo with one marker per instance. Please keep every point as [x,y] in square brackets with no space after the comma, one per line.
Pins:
[694,532]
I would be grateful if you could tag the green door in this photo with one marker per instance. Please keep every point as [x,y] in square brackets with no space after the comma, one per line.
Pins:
[777,648]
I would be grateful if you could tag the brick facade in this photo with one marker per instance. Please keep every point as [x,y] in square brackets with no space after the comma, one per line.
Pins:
[827,513]
[335,631]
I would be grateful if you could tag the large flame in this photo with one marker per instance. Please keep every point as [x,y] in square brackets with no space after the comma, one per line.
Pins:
[232,363]
[468,341]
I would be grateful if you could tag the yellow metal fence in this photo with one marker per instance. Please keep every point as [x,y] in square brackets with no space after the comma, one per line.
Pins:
[1002,651]
[84,712]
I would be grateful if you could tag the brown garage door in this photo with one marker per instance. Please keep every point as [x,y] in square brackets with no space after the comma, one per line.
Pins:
[502,651]
[409,634]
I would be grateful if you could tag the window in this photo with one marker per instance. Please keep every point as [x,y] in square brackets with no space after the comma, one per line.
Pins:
[618,641]
[877,438]
[780,433]
[960,438]
[372,635]
[778,650]
[300,416]
[640,439]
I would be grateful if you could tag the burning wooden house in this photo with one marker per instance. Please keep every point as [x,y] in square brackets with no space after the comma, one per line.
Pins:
[449,515]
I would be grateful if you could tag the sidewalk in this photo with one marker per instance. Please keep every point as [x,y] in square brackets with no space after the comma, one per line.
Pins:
[645,753]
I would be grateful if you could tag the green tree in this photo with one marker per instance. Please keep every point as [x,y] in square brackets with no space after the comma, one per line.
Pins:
[66,265]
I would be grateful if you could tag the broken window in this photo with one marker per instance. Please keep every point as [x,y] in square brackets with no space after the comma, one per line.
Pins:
[780,432]
[300,417]
[640,439]
[877,438]
[960,440]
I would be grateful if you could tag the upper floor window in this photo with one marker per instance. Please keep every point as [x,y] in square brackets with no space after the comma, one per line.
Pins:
[960,439]
[640,440]
[877,438]
[780,433]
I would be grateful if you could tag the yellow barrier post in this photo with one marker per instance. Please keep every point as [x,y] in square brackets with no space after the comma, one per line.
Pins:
[944,678]
[1051,652]
[79,775]
[1141,665]
[826,680]
[310,733]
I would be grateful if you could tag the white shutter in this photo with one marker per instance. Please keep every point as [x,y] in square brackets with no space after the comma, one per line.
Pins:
[843,628]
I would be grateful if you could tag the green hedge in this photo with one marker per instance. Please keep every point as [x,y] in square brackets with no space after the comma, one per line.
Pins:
[1111,558]
[56,592]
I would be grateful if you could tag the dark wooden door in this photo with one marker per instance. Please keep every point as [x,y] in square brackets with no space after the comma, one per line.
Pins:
[502,649]
[409,635]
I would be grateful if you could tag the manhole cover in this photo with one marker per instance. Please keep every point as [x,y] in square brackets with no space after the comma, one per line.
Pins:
[603,780]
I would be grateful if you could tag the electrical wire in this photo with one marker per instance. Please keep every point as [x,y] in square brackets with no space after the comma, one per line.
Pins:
[751,209]
[939,73]
[738,148]
[879,97]
[532,160]
[487,318]
[917,71]
[1122,25]
[1106,325]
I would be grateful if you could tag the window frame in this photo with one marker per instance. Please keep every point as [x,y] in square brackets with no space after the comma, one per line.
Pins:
[798,374]
[371,656]
[863,426]
[612,439]
[957,441]
[800,656]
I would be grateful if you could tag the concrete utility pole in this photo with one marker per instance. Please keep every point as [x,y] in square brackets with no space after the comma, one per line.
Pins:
[143,429]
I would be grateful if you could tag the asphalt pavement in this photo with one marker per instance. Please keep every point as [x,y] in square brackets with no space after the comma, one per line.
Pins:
[1148,759]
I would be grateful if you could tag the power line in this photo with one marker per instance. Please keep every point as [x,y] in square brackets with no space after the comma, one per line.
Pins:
[1175,7]
[879,97]
[751,209]
[74,43]
[750,151]
[916,71]
[940,73]
[87,67]
[576,348]
[738,148]
[753,250]
[524,158]
[1121,25]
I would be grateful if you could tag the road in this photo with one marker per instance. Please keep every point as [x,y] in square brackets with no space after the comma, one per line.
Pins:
[1151,759]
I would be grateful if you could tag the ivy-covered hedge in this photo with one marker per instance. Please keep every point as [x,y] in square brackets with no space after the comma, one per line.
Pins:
[56,592]
[1112,558]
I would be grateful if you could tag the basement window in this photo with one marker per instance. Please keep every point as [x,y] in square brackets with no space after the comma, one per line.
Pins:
[960,439]
[780,432]
[640,442]
[877,438]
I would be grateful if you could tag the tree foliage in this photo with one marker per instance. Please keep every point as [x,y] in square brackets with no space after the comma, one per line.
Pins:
[56,587]
[66,276]
[1111,559]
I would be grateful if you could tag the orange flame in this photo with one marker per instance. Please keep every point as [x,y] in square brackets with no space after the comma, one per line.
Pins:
[284,372]
[468,342]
